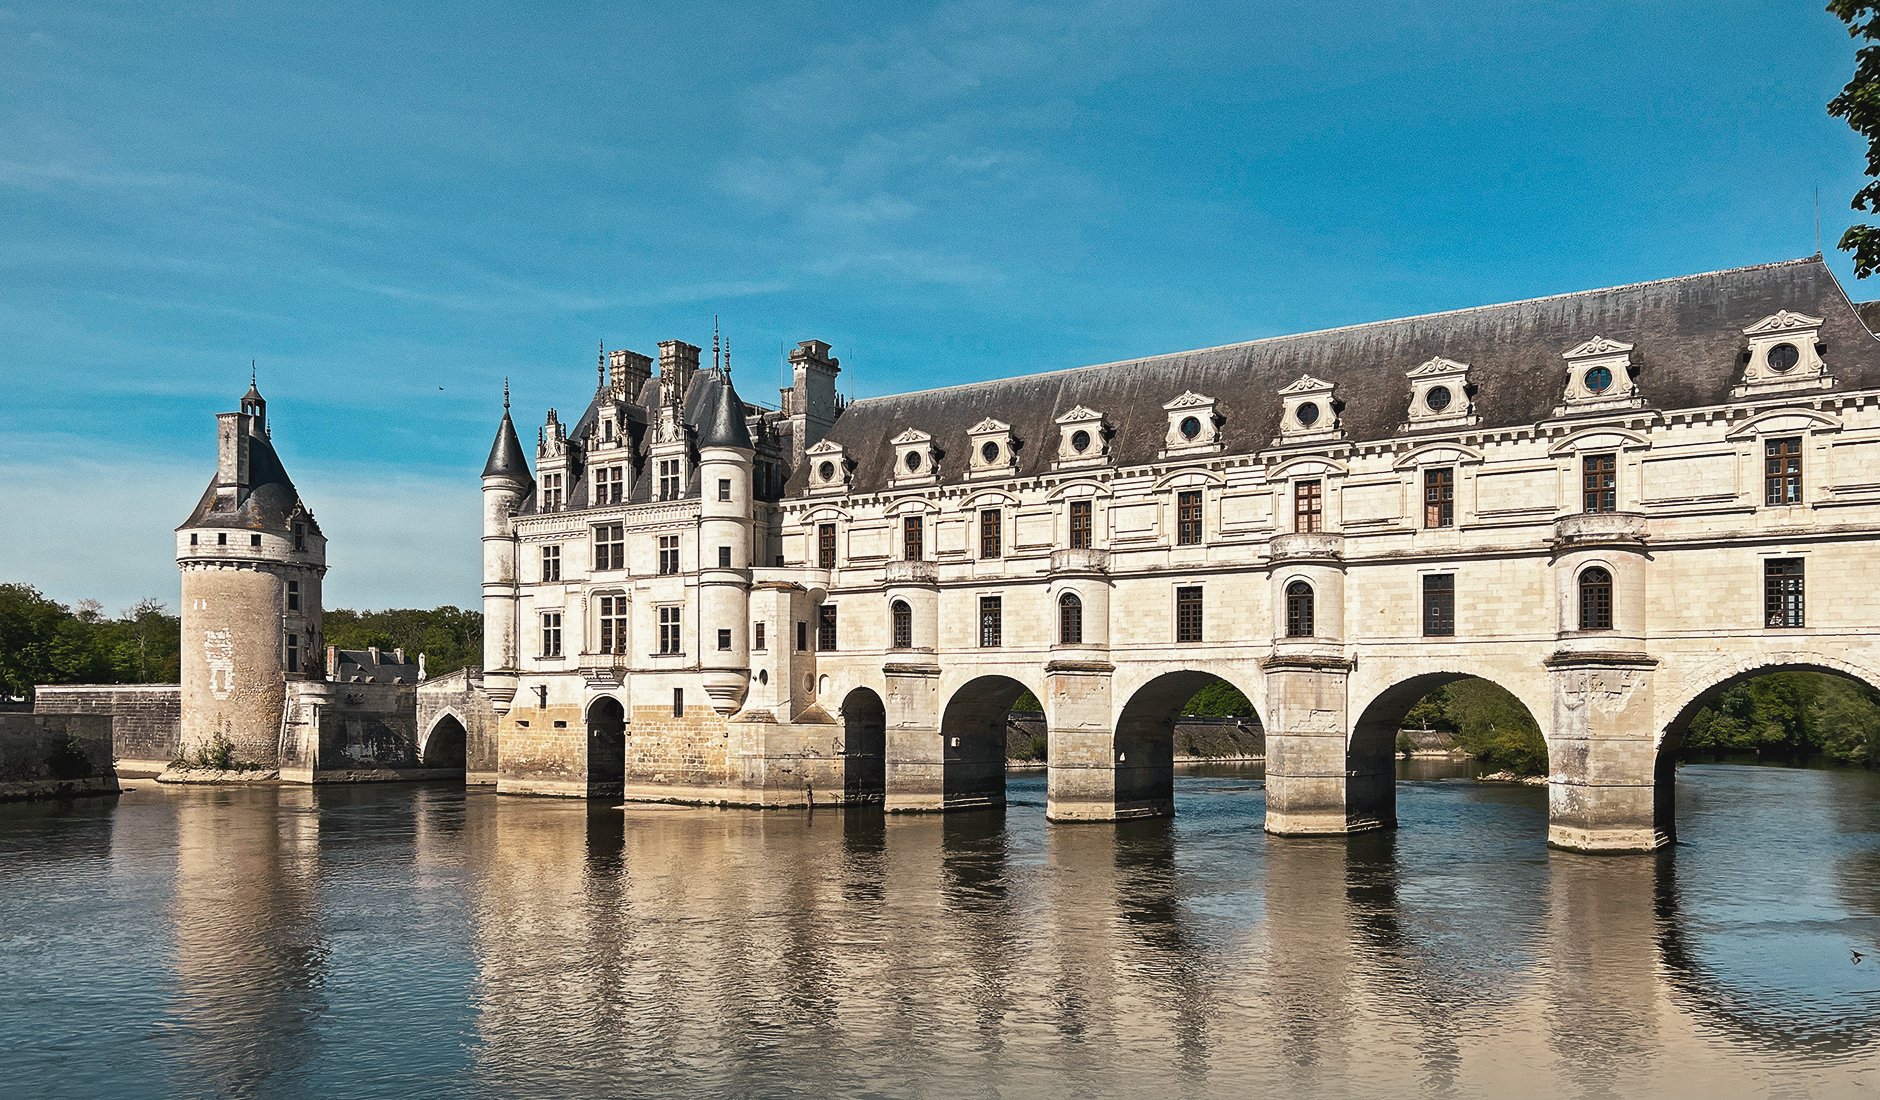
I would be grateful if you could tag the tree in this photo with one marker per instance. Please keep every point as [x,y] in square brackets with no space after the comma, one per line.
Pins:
[1859,105]
[449,637]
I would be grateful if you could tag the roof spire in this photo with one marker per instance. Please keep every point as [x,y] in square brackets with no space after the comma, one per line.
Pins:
[505,395]
[727,357]
[717,363]
[602,367]
[251,374]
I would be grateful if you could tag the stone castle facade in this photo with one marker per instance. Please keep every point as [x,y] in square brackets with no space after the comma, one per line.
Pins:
[1614,504]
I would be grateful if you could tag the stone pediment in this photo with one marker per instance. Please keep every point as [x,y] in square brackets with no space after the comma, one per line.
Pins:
[1598,345]
[1436,366]
[1189,400]
[1782,321]
[825,447]
[1080,413]
[987,426]
[912,435]
[1307,384]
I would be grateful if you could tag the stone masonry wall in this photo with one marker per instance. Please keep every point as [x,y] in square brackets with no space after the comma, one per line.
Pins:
[55,755]
[146,719]
[460,694]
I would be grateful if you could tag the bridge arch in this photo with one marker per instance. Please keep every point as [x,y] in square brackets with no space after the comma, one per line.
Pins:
[606,721]
[1144,737]
[1704,686]
[864,745]
[972,739]
[445,745]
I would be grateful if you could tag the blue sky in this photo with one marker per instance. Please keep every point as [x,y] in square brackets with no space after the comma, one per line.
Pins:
[390,207]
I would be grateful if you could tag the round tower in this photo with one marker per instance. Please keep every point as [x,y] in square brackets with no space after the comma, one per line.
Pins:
[252,558]
[724,544]
[507,483]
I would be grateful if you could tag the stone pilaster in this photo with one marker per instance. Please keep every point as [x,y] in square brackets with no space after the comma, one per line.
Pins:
[1602,789]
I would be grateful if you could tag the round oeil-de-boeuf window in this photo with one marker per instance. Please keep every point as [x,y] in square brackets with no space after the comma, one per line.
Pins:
[1190,427]
[1080,441]
[1308,414]
[1598,380]
[990,451]
[1783,357]
[1437,398]
[913,460]
[827,470]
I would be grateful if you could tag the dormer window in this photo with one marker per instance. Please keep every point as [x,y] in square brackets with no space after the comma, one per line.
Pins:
[1309,412]
[1784,354]
[1440,396]
[1083,439]
[995,452]
[1600,377]
[915,460]
[829,467]
[1194,425]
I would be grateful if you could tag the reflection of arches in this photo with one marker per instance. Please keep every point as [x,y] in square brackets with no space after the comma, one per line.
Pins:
[606,748]
[445,744]
[864,746]
[972,741]
[1145,742]
[1712,681]
[1370,754]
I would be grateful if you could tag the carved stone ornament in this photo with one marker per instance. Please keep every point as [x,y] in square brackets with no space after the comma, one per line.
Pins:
[1440,396]
[1309,412]
[1600,378]
[1784,355]
[1194,425]
[993,451]
[1083,439]
[916,461]
[829,467]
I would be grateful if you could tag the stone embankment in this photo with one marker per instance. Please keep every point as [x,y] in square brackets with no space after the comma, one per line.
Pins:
[55,756]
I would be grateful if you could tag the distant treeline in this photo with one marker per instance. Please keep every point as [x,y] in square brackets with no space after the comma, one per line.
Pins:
[43,641]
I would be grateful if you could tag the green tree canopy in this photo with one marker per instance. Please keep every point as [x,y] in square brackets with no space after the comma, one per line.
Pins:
[1859,105]
[44,642]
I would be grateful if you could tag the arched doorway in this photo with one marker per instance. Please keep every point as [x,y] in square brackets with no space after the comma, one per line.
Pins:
[606,748]
[1144,739]
[445,747]
[864,747]
[1489,721]
[972,741]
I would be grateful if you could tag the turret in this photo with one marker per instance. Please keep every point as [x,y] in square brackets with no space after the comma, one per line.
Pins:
[506,485]
[724,540]
[252,559]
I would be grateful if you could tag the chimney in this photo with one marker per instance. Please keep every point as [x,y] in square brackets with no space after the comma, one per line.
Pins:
[677,361]
[630,371]
[812,405]
[233,432]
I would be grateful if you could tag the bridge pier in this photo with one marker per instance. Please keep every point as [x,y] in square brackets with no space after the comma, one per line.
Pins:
[1602,790]
[1319,781]
[1100,773]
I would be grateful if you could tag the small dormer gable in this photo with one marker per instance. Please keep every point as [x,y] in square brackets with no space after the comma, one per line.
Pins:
[1783,354]
[829,467]
[1194,425]
[1083,439]
[1440,396]
[1309,410]
[994,452]
[916,460]
[1600,377]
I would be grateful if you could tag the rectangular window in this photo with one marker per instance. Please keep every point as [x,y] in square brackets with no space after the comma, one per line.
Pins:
[193,538]
[610,547]
[610,486]
[757,636]
[991,533]
[802,635]
[913,539]
[1439,605]
[991,621]
[551,564]
[300,538]
[678,702]
[668,555]
[1600,483]
[293,653]
[613,624]
[724,488]
[254,540]
[1782,471]
[825,546]
[669,631]
[1782,592]
[668,479]
[1188,614]
[293,595]
[1080,525]
[901,625]
[222,539]
[1439,498]
[826,628]
[724,639]
[1308,507]
[551,493]
[724,557]
[551,633]
[1188,518]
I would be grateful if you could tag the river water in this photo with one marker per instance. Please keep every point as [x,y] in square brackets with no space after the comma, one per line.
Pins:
[415,940]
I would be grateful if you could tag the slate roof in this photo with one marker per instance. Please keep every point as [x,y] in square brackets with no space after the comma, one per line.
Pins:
[506,457]
[272,501]
[1687,332]
[722,423]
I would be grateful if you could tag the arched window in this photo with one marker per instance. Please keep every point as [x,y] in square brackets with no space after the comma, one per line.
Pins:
[1299,610]
[1070,619]
[903,624]
[1596,599]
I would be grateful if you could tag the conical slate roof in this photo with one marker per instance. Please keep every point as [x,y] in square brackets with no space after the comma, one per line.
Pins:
[722,424]
[506,457]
